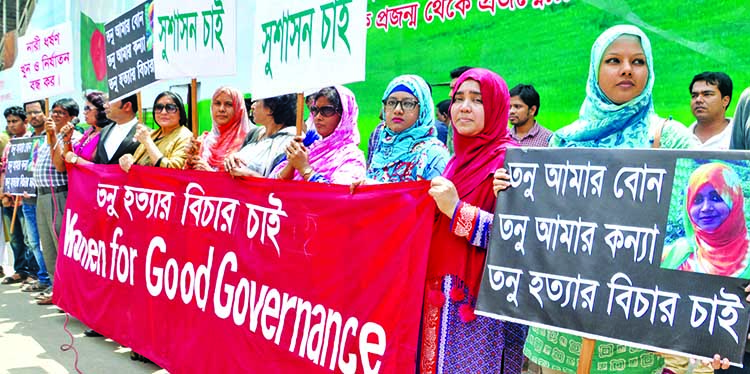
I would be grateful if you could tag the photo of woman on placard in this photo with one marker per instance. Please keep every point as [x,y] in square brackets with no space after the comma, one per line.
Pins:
[715,240]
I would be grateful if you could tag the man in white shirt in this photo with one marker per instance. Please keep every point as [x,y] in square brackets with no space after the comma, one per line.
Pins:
[117,139]
[711,94]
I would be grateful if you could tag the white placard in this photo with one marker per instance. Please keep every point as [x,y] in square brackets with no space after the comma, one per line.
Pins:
[45,62]
[302,44]
[195,38]
[8,88]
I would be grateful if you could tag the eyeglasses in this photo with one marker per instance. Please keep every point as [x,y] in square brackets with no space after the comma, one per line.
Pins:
[325,111]
[406,105]
[59,113]
[171,108]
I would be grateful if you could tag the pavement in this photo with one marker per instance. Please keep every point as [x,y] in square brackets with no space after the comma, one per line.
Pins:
[31,337]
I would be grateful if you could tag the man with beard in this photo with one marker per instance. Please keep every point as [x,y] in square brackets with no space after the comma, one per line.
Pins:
[524,107]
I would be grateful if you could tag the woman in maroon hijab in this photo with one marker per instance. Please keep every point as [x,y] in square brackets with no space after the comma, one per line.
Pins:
[454,339]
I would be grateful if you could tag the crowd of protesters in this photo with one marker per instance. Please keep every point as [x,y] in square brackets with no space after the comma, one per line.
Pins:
[458,144]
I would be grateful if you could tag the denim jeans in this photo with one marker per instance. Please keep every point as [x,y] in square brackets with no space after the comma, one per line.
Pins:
[24,263]
[32,241]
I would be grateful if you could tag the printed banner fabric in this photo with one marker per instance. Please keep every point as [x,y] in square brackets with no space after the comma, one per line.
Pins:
[202,273]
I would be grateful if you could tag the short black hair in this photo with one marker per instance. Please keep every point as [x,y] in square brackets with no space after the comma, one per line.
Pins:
[455,73]
[133,100]
[41,105]
[443,107]
[69,105]
[715,78]
[15,111]
[528,95]
[283,109]
[177,101]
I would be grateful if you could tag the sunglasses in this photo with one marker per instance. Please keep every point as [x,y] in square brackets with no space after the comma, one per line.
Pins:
[325,111]
[171,108]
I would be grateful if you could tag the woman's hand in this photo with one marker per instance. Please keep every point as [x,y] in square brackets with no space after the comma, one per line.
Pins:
[71,157]
[717,363]
[142,134]
[244,172]
[233,161]
[67,132]
[500,181]
[126,161]
[355,184]
[445,194]
[297,155]
[200,164]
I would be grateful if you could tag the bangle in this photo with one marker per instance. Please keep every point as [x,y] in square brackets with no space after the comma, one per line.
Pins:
[74,160]
[308,170]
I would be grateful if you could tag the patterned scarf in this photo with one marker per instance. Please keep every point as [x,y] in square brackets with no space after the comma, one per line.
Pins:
[338,157]
[602,123]
[395,159]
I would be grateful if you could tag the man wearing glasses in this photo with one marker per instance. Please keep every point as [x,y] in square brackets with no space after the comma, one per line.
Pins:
[52,184]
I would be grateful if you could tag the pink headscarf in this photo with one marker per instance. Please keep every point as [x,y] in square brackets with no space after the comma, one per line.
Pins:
[477,157]
[337,156]
[723,251]
[226,139]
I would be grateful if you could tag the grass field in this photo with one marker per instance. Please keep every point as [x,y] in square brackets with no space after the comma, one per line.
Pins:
[550,49]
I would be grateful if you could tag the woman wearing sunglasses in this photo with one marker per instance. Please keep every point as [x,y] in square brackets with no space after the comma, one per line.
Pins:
[96,118]
[167,146]
[335,157]
[407,148]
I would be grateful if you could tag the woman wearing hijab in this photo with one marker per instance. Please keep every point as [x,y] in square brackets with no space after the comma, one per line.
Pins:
[408,148]
[715,239]
[618,112]
[230,126]
[454,339]
[335,157]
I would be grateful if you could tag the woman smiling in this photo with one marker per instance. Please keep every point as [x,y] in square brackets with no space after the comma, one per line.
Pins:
[715,239]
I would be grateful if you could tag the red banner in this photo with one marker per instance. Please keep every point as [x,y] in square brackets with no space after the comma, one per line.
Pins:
[204,273]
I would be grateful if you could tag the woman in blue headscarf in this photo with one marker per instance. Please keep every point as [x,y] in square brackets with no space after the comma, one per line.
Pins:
[407,148]
[618,112]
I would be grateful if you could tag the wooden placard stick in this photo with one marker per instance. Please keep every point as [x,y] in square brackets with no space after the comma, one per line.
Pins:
[587,354]
[15,212]
[194,106]
[300,113]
